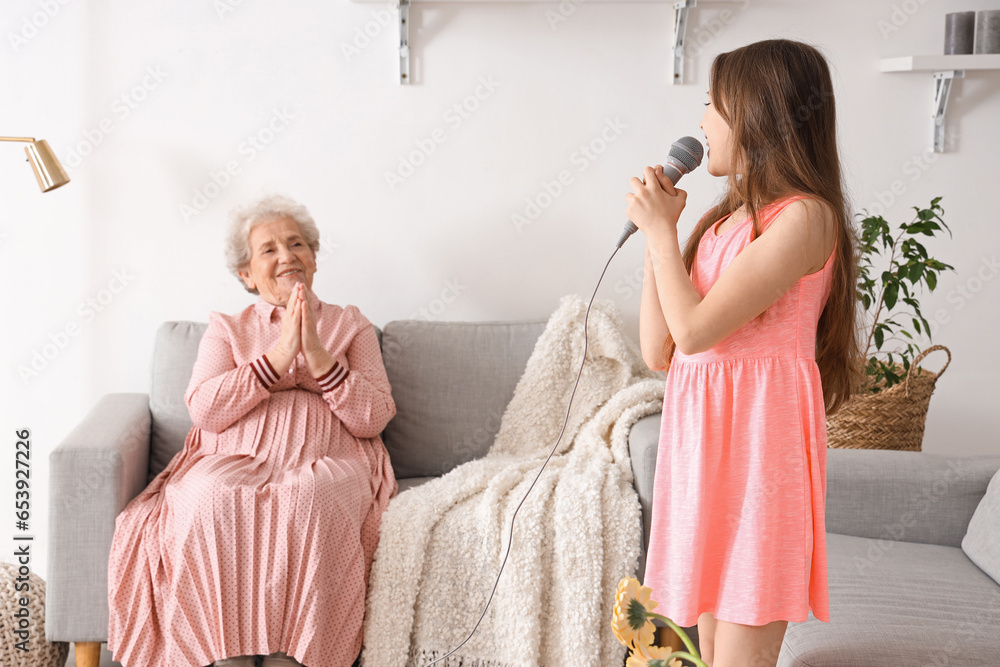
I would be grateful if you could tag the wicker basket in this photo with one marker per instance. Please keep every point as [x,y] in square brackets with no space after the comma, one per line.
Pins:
[891,419]
[40,653]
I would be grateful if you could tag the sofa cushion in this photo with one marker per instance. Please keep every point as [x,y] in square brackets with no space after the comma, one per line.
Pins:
[982,540]
[412,482]
[174,353]
[451,382]
[899,603]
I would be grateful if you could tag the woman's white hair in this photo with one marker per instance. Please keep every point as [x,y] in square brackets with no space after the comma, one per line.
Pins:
[243,219]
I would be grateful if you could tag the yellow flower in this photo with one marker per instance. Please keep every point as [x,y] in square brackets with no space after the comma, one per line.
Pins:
[631,623]
[642,655]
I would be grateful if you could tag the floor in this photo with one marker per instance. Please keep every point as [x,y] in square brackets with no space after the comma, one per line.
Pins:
[106,660]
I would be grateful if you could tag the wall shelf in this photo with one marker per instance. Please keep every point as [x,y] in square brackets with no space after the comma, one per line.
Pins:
[945,70]
[681,11]
[941,63]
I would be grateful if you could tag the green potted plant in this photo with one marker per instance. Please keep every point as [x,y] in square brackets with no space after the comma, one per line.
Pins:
[890,412]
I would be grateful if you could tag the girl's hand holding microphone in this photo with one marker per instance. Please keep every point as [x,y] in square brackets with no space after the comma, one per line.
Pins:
[655,205]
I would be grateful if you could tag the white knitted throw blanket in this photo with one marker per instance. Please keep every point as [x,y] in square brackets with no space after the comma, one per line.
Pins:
[577,535]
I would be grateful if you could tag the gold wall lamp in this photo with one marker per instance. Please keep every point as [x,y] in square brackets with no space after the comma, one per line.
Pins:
[44,163]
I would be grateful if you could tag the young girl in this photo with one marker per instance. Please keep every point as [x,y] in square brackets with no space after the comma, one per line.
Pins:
[755,322]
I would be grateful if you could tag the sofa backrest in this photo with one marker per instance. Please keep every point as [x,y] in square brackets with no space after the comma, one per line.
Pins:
[899,495]
[451,382]
[174,353]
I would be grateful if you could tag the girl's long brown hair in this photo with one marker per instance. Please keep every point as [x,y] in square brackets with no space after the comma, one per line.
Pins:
[777,98]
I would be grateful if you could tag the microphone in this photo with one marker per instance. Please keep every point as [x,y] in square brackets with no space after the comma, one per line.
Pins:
[685,156]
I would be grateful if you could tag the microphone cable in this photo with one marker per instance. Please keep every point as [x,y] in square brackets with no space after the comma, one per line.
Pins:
[685,155]
[510,537]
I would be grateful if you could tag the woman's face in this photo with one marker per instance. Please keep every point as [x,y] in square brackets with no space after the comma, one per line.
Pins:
[717,138]
[279,259]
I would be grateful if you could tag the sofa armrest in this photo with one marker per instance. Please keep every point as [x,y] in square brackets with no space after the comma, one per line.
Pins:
[909,496]
[642,443]
[93,474]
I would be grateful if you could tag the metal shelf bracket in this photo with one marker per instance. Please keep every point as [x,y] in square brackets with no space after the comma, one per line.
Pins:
[404,41]
[681,8]
[942,89]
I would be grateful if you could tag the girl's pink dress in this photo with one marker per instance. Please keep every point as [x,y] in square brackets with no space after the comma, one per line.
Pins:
[738,526]
[259,534]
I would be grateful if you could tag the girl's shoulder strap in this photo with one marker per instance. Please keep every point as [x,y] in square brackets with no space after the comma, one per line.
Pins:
[772,210]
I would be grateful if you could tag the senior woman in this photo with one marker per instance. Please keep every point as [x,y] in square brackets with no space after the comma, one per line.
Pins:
[258,536]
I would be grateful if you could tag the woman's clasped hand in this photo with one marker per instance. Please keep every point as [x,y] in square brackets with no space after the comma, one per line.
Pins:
[298,334]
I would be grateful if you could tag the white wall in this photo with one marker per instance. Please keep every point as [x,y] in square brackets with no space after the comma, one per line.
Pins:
[442,242]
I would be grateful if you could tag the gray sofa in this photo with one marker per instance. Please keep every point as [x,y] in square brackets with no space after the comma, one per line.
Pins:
[900,589]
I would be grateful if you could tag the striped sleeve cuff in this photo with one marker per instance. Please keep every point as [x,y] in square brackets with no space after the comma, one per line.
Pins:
[332,378]
[264,371]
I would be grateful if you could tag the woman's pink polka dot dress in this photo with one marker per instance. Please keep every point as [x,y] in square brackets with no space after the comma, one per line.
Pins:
[738,526]
[259,534]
